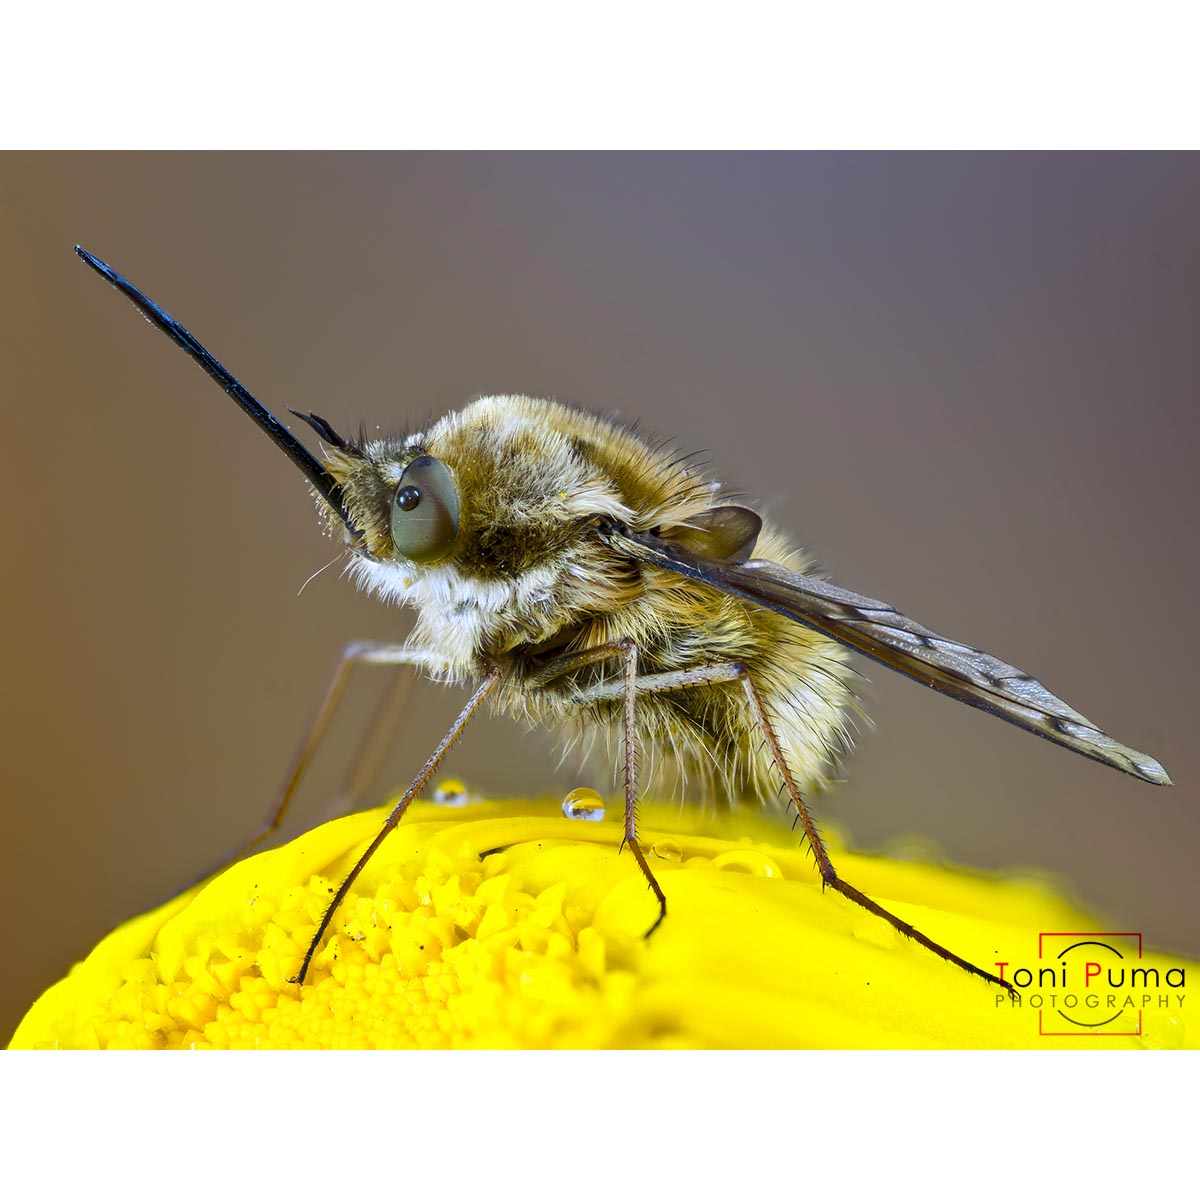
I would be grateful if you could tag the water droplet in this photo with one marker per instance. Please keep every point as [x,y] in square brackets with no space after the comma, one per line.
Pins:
[451,793]
[875,931]
[1162,1031]
[583,804]
[751,862]
[672,851]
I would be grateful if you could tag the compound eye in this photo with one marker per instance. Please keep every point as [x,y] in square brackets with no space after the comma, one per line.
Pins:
[425,511]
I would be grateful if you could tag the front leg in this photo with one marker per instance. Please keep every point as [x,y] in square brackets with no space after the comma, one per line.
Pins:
[490,679]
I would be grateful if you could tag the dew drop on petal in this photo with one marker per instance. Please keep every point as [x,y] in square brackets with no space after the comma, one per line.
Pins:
[668,849]
[583,804]
[1161,1031]
[750,862]
[875,931]
[451,793]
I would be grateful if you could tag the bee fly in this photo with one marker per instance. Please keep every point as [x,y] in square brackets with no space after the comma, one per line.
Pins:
[586,580]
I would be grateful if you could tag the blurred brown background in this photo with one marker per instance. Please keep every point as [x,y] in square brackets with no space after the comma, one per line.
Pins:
[967,382]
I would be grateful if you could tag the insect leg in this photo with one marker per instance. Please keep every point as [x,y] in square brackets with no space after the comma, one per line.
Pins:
[630,683]
[664,681]
[829,876]
[431,764]
[626,689]
[384,653]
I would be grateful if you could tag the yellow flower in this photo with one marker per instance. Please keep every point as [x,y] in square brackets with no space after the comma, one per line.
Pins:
[504,924]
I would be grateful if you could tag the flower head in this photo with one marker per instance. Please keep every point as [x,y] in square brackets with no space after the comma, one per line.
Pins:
[502,924]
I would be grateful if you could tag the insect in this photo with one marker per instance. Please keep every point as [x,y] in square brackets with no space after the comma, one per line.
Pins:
[584,579]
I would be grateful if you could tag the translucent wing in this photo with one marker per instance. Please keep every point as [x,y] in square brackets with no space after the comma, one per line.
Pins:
[880,632]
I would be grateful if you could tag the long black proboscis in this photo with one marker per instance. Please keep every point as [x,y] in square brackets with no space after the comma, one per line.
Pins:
[313,471]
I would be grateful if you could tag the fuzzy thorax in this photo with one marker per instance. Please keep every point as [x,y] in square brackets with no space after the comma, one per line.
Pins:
[528,570]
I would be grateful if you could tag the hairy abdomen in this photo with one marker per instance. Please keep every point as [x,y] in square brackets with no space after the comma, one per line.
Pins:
[703,743]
